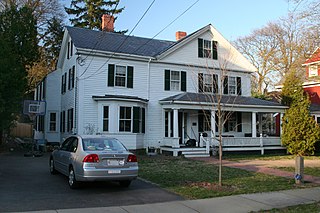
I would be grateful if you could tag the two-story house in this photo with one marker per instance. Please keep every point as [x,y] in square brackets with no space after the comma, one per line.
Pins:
[151,93]
[312,83]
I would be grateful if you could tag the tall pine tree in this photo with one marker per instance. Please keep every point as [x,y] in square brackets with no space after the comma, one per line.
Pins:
[88,13]
[300,130]
[19,49]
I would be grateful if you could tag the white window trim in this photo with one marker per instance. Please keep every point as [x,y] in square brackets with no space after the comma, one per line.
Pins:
[171,81]
[57,121]
[131,119]
[125,77]
[313,70]
[232,85]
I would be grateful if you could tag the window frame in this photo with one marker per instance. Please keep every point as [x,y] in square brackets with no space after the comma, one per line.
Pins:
[124,119]
[104,118]
[53,122]
[117,76]
[176,82]
[313,70]
[232,84]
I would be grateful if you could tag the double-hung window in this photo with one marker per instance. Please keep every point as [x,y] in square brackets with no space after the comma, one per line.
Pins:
[175,80]
[207,49]
[232,85]
[208,83]
[53,122]
[120,76]
[313,70]
[105,122]
[125,119]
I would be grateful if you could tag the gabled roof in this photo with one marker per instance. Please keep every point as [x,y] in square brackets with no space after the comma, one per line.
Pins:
[225,99]
[116,42]
[315,57]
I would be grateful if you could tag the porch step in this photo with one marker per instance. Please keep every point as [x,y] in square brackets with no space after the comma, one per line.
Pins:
[193,153]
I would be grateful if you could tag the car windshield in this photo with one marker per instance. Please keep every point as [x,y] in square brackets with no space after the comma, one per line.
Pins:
[102,144]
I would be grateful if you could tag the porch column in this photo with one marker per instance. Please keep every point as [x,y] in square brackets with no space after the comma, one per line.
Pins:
[169,124]
[213,123]
[175,123]
[260,122]
[281,117]
[254,124]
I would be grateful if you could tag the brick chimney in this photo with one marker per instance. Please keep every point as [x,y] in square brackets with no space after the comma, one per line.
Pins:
[107,23]
[180,35]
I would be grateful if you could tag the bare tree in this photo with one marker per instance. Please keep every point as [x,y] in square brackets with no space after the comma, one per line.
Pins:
[278,48]
[213,84]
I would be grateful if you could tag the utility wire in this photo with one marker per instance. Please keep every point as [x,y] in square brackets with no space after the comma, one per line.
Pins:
[97,72]
[98,41]
[119,45]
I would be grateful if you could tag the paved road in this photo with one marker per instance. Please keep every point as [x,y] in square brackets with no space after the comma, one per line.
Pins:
[27,185]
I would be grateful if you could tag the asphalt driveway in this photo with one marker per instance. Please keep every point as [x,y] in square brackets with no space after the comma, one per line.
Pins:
[27,185]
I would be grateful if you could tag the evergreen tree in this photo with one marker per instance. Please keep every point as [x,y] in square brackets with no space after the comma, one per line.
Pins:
[52,41]
[19,49]
[300,130]
[88,13]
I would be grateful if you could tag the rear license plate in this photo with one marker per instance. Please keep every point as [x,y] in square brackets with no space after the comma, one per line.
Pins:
[114,171]
[115,162]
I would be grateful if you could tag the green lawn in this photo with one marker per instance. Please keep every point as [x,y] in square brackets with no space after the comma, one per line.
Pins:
[196,179]
[308,208]
[314,171]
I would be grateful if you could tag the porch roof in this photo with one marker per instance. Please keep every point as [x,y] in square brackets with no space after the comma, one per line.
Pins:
[119,98]
[226,101]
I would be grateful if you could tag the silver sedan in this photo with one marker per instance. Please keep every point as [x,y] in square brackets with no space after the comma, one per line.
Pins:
[94,158]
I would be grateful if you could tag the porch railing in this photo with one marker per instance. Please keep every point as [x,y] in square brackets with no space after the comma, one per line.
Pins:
[245,143]
[172,142]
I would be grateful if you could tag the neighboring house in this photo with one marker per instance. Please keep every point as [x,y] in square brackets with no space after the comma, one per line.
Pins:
[47,126]
[152,93]
[312,83]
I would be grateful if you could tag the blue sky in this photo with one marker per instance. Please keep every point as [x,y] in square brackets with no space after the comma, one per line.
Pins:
[232,18]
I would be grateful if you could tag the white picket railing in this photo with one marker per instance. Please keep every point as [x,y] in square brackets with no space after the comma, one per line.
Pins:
[244,143]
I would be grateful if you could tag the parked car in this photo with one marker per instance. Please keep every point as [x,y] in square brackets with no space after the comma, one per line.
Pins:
[94,158]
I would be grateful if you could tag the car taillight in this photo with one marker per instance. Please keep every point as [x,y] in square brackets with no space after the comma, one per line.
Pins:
[92,158]
[132,158]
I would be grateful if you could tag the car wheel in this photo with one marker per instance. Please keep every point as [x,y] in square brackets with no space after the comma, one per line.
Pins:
[73,183]
[125,183]
[51,166]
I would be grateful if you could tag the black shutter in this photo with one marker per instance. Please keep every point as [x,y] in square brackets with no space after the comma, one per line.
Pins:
[65,83]
[69,80]
[200,48]
[214,50]
[226,124]
[239,92]
[111,75]
[73,75]
[216,118]
[143,117]
[225,85]
[200,121]
[167,80]
[215,83]
[62,80]
[239,122]
[130,77]
[136,116]
[200,82]
[183,81]
[68,52]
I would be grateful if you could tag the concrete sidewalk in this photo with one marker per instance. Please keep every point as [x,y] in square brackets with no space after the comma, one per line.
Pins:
[236,203]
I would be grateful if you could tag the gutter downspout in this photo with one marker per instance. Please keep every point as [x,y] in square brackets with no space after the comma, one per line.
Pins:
[146,123]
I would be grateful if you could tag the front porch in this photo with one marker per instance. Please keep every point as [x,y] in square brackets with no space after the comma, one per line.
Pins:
[247,124]
[211,145]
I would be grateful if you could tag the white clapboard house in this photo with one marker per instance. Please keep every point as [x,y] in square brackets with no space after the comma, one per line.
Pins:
[153,93]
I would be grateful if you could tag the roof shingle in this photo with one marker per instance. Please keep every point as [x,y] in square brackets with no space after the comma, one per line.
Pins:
[116,42]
